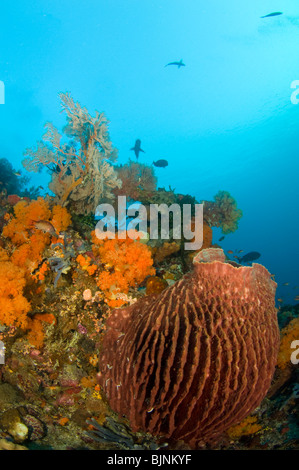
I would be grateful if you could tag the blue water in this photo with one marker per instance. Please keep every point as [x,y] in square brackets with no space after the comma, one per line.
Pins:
[223,122]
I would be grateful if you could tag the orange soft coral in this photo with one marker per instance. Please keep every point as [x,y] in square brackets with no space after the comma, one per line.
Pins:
[3,255]
[29,254]
[13,305]
[19,227]
[30,242]
[40,274]
[127,263]
[84,262]
[61,219]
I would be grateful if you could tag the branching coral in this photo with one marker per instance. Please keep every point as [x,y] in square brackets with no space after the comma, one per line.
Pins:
[80,170]
[222,212]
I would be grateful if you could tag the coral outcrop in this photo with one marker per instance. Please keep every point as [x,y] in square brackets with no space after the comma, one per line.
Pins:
[81,170]
[198,358]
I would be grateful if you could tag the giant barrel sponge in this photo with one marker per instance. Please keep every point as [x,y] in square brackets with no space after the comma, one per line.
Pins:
[196,359]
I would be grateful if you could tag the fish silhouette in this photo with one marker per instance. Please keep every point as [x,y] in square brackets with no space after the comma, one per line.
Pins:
[275,13]
[161,163]
[179,64]
[252,256]
[137,148]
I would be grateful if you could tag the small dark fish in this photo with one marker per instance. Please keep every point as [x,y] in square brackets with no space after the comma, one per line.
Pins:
[240,251]
[161,163]
[179,64]
[45,227]
[252,256]
[296,298]
[230,252]
[275,13]
[280,300]
[137,148]
[221,238]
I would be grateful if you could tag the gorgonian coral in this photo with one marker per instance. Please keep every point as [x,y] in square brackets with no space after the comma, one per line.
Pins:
[222,212]
[138,181]
[81,172]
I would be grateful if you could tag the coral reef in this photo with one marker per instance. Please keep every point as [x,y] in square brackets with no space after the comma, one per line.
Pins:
[52,334]
[197,359]
[188,351]
[81,172]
